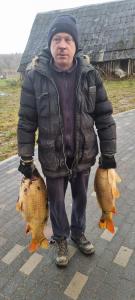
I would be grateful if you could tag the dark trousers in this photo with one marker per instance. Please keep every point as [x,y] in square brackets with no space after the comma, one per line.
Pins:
[56,196]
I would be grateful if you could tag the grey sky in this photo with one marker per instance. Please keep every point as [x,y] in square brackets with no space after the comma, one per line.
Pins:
[17,16]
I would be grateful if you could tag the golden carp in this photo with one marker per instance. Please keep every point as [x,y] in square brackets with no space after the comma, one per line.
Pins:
[33,205]
[105,185]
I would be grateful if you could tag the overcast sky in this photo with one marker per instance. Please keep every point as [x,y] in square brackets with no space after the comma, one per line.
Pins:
[17,16]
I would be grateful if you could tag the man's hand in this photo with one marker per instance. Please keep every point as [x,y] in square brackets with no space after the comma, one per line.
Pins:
[27,167]
[107,162]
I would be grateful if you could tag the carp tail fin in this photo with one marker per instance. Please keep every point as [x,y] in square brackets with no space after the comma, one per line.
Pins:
[110,226]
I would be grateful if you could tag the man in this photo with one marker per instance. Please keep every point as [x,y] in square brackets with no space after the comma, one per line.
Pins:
[63,98]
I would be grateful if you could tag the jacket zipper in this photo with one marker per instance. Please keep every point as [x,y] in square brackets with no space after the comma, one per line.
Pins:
[75,161]
[69,170]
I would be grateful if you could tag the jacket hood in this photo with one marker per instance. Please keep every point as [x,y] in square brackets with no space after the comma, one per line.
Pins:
[41,62]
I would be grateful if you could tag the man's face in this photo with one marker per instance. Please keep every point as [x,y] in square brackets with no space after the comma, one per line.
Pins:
[63,49]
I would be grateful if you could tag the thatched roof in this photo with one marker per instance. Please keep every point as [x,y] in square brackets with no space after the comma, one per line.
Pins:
[107,31]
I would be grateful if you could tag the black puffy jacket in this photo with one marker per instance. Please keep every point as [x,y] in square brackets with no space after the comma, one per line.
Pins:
[40,108]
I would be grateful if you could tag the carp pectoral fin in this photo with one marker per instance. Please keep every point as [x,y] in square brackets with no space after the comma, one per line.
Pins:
[115,193]
[19,206]
[110,226]
[118,179]
[33,246]
[110,176]
[44,244]
[114,210]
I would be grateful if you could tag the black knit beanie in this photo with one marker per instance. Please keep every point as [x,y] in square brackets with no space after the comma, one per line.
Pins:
[64,23]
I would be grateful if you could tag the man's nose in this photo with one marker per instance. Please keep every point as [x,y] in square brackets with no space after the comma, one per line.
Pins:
[62,44]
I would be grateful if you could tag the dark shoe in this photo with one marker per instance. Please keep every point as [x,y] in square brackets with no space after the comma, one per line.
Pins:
[62,255]
[84,245]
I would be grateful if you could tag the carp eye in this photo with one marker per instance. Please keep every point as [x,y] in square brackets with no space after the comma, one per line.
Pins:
[25,190]
[38,187]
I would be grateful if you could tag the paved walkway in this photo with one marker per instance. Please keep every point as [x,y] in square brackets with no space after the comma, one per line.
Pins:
[107,275]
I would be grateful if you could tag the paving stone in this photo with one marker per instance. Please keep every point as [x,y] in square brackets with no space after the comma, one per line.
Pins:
[124,209]
[24,289]
[93,194]
[105,261]
[5,248]
[123,256]
[47,263]
[2,241]
[31,264]
[131,218]
[125,290]
[108,236]
[11,171]
[124,230]
[40,293]
[72,251]
[130,240]
[114,275]
[115,244]
[12,285]
[15,266]
[19,294]
[55,294]
[95,279]
[2,206]
[3,280]
[100,246]
[129,273]
[118,219]
[83,263]
[76,285]
[105,292]
[12,254]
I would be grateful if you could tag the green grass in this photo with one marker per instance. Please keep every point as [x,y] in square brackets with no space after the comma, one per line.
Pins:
[9,105]
[120,92]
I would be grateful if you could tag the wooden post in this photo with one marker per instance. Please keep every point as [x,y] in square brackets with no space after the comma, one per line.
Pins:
[129,67]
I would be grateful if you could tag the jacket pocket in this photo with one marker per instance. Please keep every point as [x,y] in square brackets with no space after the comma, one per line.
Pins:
[92,98]
[43,104]
[89,147]
[47,155]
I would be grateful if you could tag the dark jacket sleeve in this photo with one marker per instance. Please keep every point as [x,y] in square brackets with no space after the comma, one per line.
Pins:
[27,123]
[104,121]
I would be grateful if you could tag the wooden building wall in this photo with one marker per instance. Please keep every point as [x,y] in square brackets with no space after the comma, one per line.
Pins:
[109,67]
